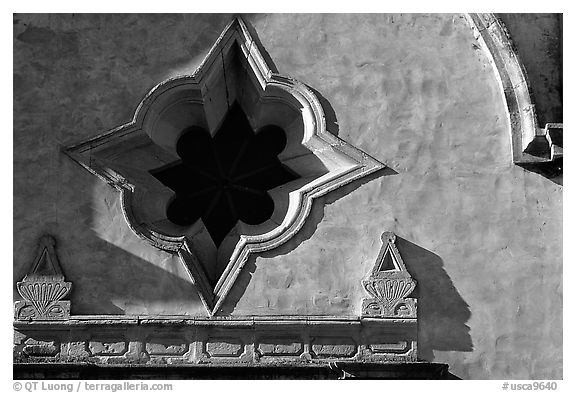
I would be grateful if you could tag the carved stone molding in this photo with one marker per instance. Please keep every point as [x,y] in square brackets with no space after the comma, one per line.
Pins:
[530,143]
[389,285]
[44,336]
[116,340]
[44,287]
[233,71]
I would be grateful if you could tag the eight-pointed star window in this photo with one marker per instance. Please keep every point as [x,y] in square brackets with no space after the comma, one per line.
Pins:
[226,178]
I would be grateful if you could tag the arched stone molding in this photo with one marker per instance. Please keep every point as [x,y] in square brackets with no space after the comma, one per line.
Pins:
[530,143]
[233,70]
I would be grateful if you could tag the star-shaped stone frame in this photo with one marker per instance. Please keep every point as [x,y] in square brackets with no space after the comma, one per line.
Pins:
[207,88]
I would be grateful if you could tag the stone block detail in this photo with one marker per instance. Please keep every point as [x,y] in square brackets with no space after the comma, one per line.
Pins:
[167,347]
[272,346]
[398,347]
[28,310]
[78,350]
[224,347]
[334,347]
[107,347]
[40,348]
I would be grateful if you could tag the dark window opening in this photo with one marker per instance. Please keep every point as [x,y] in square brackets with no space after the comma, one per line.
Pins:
[225,178]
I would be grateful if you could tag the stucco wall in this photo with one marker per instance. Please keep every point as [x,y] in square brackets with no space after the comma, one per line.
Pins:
[482,236]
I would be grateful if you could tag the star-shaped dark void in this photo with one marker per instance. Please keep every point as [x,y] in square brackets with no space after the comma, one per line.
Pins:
[225,178]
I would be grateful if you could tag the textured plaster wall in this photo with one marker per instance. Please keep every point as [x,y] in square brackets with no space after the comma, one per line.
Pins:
[482,237]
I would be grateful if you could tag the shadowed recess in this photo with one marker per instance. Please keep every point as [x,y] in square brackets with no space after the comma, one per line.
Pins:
[225,179]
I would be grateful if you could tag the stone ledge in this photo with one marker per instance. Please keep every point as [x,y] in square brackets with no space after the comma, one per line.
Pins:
[207,321]
[336,370]
[249,340]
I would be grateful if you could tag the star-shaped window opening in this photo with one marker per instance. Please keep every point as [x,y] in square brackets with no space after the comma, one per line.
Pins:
[225,178]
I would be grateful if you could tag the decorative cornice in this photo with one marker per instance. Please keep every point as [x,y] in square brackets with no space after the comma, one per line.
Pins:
[228,321]
[217,341]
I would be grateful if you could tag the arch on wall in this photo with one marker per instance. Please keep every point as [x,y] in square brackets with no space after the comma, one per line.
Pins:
[530,143]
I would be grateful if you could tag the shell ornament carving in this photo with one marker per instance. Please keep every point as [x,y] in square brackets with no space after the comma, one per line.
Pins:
[44,287]
[42,292]
[389,291]
[389,284]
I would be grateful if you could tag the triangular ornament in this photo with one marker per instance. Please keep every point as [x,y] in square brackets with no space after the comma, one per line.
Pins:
[387,262]
[44,287]
[46,262]
[389,258]
[389,285]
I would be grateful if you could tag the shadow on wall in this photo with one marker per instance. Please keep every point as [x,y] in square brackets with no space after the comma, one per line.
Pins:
[550,170]
[115,281]
[330,116]
[108,279]
[442,313]
[316,215]
[128,284]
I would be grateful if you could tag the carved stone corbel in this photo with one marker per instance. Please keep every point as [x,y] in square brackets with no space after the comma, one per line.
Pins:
[389,284]
[43,288]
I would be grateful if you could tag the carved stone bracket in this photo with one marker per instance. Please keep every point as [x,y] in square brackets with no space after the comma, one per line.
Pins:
[389,284]
[43,288]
